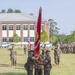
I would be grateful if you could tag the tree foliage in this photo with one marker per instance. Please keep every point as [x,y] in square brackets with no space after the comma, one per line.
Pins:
[15,38]
[31,14]
[63,38]
[53,27]
[71,38]
[11,11]
[53,30]
[3,11]
[17,11]
[53,39]
[44,36]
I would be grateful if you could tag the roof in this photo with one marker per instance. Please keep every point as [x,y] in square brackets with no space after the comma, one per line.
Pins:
[17,17]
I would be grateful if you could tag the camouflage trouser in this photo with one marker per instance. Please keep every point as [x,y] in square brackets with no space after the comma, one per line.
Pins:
[13,62]
[38,72]
[56,60]
[29,69]
[24,51]
[73,50]
[29,72]
[47,69]
[46,72]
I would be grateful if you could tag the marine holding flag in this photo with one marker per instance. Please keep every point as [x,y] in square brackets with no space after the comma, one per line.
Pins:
[32,56]
[46,62]
[38,66]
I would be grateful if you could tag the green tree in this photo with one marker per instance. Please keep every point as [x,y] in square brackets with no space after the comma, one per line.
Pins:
[31,14]
[17,11]
[15,38]
[70,38]
[10,10]
[53,29]
[61,38]
[3,11]
[44,36]
[53,26]
[53,39]
[73,36]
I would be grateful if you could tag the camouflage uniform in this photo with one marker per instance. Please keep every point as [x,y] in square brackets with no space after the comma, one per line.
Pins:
[39,66]
[10,55]
[57,53]
[29,48]
[24,49]
[13,56]
[44,50]
[30,63]
[38,69]
[47,65]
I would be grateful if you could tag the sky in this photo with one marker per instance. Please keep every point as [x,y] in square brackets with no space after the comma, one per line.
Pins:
[61,11]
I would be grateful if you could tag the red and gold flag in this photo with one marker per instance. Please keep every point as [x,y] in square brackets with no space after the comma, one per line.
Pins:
[38,34]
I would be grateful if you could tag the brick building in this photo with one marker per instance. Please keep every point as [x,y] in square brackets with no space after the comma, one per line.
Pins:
[21,24]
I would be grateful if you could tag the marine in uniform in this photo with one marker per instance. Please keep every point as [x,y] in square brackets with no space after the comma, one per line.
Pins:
[29,48]
[38,68]
[13,56]
[57,53]
[24,49]
[39,65]
[47,63]
[30,62]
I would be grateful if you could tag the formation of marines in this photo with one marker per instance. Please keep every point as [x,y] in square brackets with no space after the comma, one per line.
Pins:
[68,48]
[43,66]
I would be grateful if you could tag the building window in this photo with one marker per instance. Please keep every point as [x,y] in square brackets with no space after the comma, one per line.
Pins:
[25,27]
[4,39]
[31,27]
[3,27]
[10,39]
[25,39]
[42,27]
[17,27]
[10,27]
[31,39]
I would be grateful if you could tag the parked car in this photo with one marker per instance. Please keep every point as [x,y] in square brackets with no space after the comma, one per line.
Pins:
[4,45]
[48,45]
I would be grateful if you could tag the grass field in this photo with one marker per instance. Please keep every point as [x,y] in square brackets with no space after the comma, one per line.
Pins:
[66,67]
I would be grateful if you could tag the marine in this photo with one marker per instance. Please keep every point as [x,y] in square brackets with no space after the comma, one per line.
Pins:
[30,63]
[47,63]
[57,52]
[13,56]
